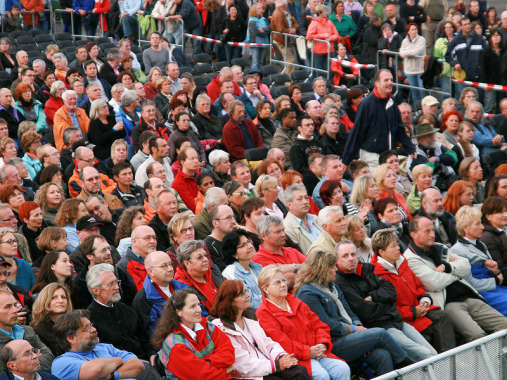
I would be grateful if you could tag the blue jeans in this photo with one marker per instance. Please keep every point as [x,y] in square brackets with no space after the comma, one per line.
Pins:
[175,37]
[320,62]
[330,369]
[232,52]
[412,342]
[382,348]
[258,56]
[130,26]
[416,81]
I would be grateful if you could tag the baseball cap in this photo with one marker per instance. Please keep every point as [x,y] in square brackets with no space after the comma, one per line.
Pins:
[87,222]
[429,101]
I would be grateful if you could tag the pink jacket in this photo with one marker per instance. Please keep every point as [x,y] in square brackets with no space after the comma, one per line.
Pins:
[254,359]
[317,30]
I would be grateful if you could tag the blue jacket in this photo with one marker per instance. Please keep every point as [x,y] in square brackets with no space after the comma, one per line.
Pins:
[323,305]
[7,5]
[467,55]
[128,124]
[86,5]
[24,277]
[105,85]
[250,110]
[32,164]
[149,303]
[236,272]
[483,136]
[375,117]
[39,112]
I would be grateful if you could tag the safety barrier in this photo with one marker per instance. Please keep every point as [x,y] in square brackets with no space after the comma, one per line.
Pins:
[398,85]
[180,27]
[284,60]
[207,39]
[34,24]
[487,86]
[75,33]
[482,359]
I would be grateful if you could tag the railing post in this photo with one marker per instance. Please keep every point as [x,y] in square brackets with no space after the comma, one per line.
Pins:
[328,57]
[72,32]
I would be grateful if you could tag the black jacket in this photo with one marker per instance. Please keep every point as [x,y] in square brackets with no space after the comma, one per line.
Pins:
[160,228]
[13,118]
[369,40]
[120,326]
[381,311]
[467,54]
[103,136]
[449,223]
[209,128]
[215,250]
[496,241]
[300,151]
[107,73]
[45,331]
[334,146]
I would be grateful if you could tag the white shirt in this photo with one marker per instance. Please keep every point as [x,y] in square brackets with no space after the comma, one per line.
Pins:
[192,333]
[166,290]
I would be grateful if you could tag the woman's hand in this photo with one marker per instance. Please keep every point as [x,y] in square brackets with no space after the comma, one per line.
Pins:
[317,351]
[287,361]
[118,126]
[226,31]
[492,265]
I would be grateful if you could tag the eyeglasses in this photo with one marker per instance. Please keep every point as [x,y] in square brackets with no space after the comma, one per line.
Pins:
[186,230]
[164,266]
[10,241]
[245,243]
[104,250]
[239,194]
[31,352]
[88,327]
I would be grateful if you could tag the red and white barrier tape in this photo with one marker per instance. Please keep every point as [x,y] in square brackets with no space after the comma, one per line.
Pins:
[354,65]
[206,39]
[489,86]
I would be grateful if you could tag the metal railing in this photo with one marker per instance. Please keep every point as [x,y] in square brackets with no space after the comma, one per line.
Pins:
[75,33]
[181,27]
[396,64]
[285,62]
[482,359]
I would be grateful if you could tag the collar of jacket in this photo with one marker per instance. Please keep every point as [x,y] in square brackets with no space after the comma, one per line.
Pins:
[378,96]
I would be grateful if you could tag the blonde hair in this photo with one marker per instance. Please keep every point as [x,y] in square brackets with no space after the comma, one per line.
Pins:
[315,269]
[421,169]
[465,216]
[355,221]
[267,274]
[40,309]
[41,195]
[177,222]
[262,181]
[380,174]
[360,189]
[382,238]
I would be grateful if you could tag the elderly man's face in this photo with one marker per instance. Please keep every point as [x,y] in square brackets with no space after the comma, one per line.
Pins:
[22,57]
[71,101]
[320,87]
[474,113]
[314,109]
[5,97]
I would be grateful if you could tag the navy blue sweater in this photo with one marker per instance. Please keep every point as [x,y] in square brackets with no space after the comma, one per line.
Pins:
[467,54]
[372,123]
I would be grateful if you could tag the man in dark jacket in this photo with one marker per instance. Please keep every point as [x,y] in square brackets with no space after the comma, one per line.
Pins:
[116,323]
[378,126]
[445,223]
[166,206]
[9,113]
[304,145]
[158,286]
[191,20]
[373,299]
[464,52]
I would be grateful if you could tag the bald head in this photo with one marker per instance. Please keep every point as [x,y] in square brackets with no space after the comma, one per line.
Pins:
[18,356]
[159,267]
[144,240]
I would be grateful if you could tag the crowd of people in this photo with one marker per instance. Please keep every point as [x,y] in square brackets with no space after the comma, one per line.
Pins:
[152,226]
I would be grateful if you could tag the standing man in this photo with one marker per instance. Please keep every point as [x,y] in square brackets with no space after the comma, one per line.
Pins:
[435,11]
[128,17]
[378,125]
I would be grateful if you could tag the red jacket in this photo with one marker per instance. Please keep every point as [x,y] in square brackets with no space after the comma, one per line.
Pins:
[337,69]
[102,11]
[297,331]
[134,265]
[187,188]
[290,256]
[208,289]
[409,291]
[213,89]
[318,29]
[232,137]
[52,105]
[189,359]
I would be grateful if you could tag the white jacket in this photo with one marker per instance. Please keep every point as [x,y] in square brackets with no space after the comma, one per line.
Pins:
[413,53]
[435,283]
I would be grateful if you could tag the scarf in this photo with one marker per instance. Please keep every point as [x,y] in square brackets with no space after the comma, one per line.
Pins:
[333,293]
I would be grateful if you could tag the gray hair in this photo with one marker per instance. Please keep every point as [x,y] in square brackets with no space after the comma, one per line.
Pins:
[39,61]
[329,106]
[94,108]
[128,97]
[217,156]
[54,87]
[68,132]
[61,56]
[185,250]
[68,93]
[113,54]
[14,161]
[213,197]
[326,212]
[117,87]
[289,192]
[94,274]
[201,97]
[475,103]
[265,222]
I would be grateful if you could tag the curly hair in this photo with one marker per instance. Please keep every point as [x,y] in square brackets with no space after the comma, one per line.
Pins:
[124,226]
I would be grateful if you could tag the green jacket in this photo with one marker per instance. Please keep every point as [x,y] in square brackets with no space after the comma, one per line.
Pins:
[345,27]
[439,51]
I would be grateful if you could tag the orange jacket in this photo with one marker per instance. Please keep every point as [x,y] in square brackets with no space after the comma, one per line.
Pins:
[107,185]
[318,29]
[62,121]
[34,6]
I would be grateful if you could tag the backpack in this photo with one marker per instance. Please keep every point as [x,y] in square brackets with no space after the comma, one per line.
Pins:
[435,10]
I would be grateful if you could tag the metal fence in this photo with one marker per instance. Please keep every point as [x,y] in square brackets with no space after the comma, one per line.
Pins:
[77,33]
[291,39]
[179,40]
[482,359]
